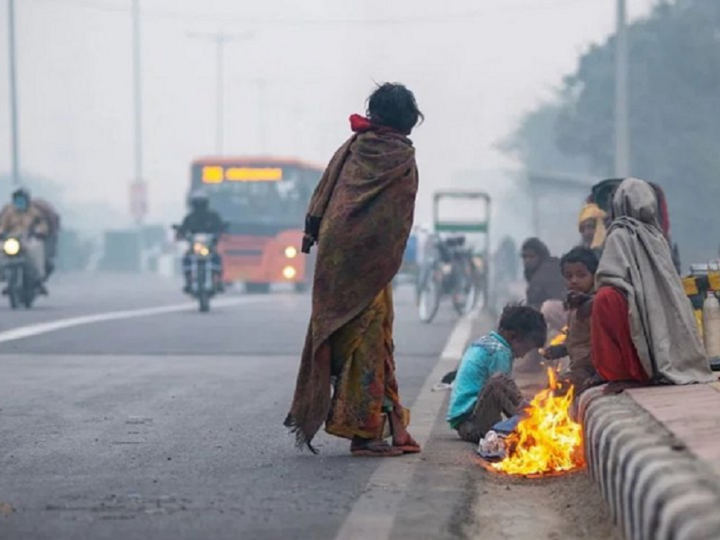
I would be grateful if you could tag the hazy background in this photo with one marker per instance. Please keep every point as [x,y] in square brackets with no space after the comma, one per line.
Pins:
[476,67]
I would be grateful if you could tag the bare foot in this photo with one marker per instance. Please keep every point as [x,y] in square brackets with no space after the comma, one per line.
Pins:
[400,436]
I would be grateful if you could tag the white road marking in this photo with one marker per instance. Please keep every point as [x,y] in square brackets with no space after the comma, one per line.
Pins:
[373,514]
[32,330]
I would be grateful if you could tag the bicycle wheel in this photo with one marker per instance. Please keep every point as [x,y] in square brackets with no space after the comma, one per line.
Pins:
[465,288]
[429,298]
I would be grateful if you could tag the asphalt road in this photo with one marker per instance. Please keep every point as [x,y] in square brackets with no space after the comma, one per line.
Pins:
[126,414]
[169,426]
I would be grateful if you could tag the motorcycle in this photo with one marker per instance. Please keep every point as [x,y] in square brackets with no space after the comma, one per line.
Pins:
[203,285]
[17,271]
[450,271]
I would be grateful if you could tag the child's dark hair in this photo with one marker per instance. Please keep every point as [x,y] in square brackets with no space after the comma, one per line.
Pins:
[525,321]
[581,255]
[393,105]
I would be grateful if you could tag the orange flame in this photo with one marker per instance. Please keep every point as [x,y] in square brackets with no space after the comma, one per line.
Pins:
[547,440]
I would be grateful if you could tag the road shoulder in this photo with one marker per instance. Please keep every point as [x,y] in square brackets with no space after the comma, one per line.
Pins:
[375,513]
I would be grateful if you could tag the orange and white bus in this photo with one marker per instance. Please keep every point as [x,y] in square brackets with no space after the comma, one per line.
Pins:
[264,201]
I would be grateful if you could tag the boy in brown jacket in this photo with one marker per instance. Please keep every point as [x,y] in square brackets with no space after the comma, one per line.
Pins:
[578,267]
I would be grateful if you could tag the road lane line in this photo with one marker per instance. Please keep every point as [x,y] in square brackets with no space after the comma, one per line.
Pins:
[24,332]
[373,514]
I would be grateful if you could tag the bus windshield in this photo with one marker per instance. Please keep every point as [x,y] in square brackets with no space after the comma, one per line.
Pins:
[281,198]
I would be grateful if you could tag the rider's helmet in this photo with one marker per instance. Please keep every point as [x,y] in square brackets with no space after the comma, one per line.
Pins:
[199,201]
[21,199]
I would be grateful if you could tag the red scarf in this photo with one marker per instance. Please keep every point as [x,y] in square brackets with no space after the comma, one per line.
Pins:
[360,124]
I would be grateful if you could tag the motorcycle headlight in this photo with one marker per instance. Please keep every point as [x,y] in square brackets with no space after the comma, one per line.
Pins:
[11,247]
[201,249]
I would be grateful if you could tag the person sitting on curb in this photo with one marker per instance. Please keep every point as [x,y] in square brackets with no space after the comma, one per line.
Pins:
[484,389]
[643,327]
[545,292]
[592,227]
[542,273]
[578,266]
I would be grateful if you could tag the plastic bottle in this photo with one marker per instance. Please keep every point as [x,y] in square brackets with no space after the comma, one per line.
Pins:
[711,325]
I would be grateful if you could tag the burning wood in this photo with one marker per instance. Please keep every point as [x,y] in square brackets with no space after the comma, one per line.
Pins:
[547,440]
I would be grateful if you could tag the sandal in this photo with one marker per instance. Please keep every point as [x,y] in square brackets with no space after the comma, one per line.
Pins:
[374,448]
[409,446]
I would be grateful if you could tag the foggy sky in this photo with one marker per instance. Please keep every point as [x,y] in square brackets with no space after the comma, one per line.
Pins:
[474,65]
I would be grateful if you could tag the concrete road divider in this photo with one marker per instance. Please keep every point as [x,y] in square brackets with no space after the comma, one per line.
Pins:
[655,454]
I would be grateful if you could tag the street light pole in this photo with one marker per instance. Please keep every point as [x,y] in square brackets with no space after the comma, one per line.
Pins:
[220,94]
[138,186]
[622,129]
[262,108]
[137,91]
[14,151]
[220,39]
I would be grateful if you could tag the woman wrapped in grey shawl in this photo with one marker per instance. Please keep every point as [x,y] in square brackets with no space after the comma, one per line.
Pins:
[638,263]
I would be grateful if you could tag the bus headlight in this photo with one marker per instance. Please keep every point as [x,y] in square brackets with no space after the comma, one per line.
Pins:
[291,252]
[289,272]
[11,247]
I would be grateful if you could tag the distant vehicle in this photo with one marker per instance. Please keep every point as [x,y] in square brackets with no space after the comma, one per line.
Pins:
[450,271]
[201,249]
[21,285]
[456,267]
[264,201]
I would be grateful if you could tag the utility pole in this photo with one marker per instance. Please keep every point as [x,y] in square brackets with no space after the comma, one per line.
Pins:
[220,39]
[137,91]
[14,151]
[622,129]
[262,109]
[138,186]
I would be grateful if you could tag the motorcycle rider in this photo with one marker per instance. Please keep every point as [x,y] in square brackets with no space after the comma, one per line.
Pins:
[24,219]
[51,244]
[202,220]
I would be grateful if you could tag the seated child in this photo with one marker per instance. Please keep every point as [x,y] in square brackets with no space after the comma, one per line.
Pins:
[484,390]
[578,266]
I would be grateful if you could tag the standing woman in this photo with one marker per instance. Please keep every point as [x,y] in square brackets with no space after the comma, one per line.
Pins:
[360,216]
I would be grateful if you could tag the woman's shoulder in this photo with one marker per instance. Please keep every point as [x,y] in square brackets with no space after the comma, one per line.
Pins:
[385,138]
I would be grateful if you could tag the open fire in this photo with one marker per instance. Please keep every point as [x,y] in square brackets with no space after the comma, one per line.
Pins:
[547,440]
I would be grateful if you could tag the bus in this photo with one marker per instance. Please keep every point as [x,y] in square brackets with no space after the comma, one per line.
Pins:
[264,201]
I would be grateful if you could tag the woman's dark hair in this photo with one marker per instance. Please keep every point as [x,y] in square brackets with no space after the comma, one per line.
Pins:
[537,246]
[581,255]
[524,321]
[394,106]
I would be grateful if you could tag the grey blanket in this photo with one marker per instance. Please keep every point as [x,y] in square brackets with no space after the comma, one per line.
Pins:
[637,261]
